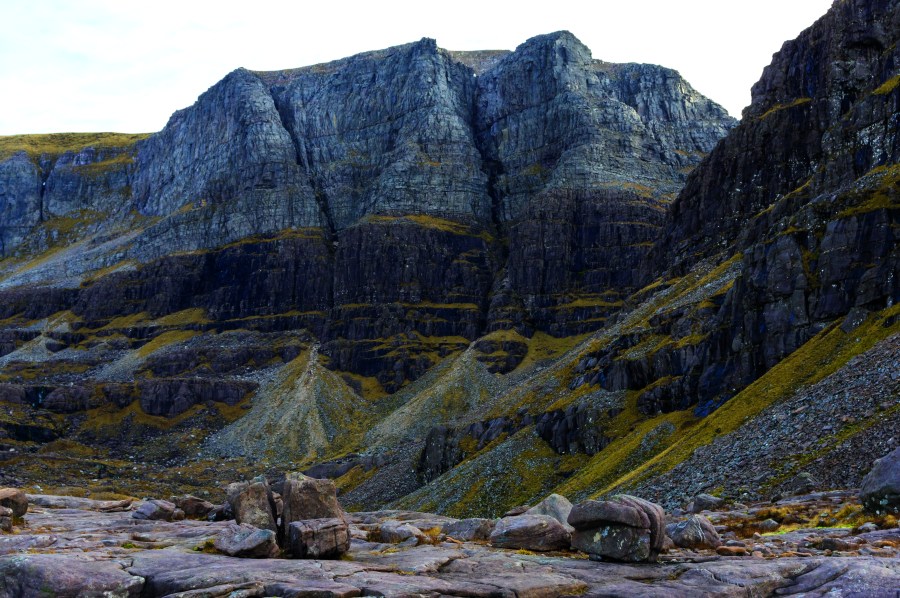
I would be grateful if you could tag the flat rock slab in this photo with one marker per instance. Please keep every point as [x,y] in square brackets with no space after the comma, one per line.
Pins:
[74,502]
[26,575]
[95,553]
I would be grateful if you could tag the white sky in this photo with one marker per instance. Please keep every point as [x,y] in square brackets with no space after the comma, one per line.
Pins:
[126,65]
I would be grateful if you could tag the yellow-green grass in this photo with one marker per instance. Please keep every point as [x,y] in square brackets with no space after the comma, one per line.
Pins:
[784,106]
[888,86]
[164,340]
[432,222]
[820,357]
[55,144]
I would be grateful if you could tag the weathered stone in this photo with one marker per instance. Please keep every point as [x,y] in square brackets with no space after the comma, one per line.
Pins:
[615,542]
[556,506]
[77,502]
[588,514]
[252,503]
[625,528]
[694,532]
[705,502]
[193,507]
[15,500]
[309,498]
[62,575]
[530,532]
[93,553]
[246,541]
[395,532]
[318,538]
[768,525]
[158,510]
[880,491]
[469,529]
[6,518]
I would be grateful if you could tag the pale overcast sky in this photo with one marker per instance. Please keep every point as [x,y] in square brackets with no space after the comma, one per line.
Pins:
[122,65]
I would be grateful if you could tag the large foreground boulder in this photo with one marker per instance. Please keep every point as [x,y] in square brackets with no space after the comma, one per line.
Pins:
[318,538]
[309,498]
[880,491]
[694,532]
[253,503]
[530,532]
[245,541]
[624,528]
[14,499]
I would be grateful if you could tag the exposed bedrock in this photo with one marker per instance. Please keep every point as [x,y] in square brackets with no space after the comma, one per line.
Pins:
[387,194]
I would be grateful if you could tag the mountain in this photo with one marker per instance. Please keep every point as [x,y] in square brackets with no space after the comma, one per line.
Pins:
[459,281]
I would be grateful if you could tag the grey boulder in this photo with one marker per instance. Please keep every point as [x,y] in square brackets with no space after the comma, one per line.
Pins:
[624,528]
[530,532]
[158,510]
[6,517]
[14,499]
[318,538]
[252,503]
[466,530]
[193,507]
[556,506]
[694,532]
[309,498]
[880,491]
[705,502]
[395,532]
[245,541]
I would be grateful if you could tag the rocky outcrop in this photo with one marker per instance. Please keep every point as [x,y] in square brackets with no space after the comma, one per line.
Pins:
[402,187]
[546,116]
[797,206]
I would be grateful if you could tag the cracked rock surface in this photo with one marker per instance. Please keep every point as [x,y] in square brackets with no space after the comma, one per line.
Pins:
[85,551]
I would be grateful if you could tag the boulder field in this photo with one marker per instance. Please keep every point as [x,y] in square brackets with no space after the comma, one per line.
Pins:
[624,546]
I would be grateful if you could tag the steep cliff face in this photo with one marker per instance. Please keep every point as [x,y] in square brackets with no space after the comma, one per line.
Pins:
[804,193]
[494,262]
[230,143]
[403,202]
[584,157]
[823,114]
[387,133]
[776,267]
